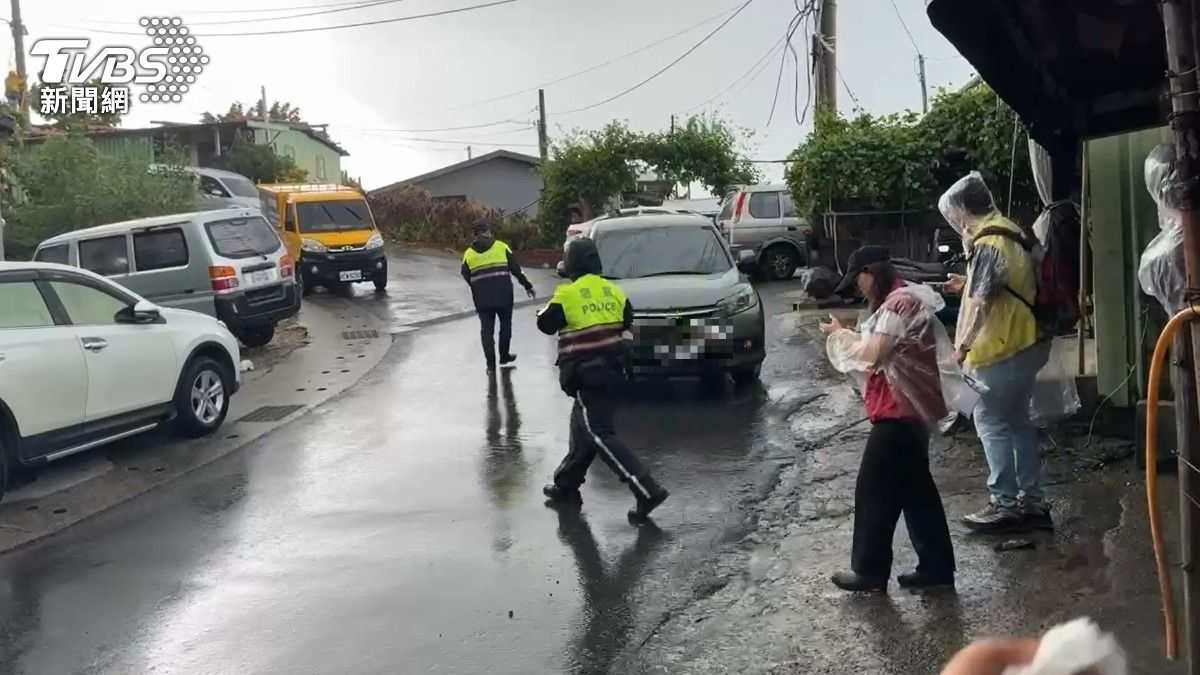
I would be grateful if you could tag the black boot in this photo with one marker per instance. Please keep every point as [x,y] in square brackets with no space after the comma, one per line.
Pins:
[560,495]
[658,495]
[851,581]
[918,580]
[508,360]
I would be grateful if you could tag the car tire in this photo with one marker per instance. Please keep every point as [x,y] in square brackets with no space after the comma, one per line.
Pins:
[5,449]
[306,285]
[381,282]
[779,262]
[745,377]
[257,336]
[196,398]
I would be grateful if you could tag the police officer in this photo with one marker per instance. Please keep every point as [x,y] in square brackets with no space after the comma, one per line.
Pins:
[486,266]
[590,314]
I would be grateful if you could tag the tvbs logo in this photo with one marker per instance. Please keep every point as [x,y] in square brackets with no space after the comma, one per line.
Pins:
[166,69]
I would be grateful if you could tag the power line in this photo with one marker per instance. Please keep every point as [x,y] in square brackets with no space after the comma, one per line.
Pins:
[444,141]
[434,131]
[598,66]
[329,9]
[757,66]
[260,10]
[664,69]
[794,25]
[904,25]
[313,29]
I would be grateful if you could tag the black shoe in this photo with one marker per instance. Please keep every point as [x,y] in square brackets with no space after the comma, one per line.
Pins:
[918,580]
[508,361]
[850,581]
[560,495]
[995,518]
[1037,516]
[641,512]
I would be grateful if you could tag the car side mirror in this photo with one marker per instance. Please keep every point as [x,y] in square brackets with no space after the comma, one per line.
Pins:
[746,261]
[142,312]
[562,269]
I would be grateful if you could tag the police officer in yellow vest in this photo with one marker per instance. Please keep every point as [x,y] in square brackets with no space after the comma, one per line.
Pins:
[590,314]
[486,266]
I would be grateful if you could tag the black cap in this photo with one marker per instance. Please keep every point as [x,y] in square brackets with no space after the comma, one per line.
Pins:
[859,260]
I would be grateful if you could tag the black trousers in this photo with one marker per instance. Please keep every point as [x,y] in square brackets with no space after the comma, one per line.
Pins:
[487,329]
[894,478]
[593,432]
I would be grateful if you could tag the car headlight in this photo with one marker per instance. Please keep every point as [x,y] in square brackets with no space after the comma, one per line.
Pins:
[312,246]
[741,301]
[375,241]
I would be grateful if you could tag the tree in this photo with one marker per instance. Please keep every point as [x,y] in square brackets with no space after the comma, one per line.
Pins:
[64,183]
[589,169]
[80,119]
[239,112]
[260,163]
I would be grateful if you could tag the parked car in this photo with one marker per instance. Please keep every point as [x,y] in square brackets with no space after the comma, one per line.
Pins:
[583,229]
[219,189]
[695,313]
[228,264]
[85,361]
[763,219]
[330,230]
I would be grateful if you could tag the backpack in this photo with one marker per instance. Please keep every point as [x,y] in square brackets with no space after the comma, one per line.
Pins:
[1056,271]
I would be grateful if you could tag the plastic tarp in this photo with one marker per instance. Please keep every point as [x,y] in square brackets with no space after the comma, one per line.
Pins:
[1160,271]
[919,353]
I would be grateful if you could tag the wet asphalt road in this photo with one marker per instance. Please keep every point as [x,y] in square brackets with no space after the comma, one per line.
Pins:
[400,528]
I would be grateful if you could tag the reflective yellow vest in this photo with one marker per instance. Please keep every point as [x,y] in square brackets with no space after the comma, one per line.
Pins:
[595,311]
[1009,326]
[491,263]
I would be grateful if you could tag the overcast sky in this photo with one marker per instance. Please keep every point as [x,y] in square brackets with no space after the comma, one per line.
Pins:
[383,88]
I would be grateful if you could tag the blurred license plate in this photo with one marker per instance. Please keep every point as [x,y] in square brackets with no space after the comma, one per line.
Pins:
[261,276]
[352,275]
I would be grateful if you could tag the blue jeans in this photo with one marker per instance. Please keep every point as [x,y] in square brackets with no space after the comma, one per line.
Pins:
[1004,426]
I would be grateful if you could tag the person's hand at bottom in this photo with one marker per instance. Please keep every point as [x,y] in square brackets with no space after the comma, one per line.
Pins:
[992,656]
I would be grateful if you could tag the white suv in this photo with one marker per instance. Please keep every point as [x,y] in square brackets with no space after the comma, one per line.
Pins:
[84,361]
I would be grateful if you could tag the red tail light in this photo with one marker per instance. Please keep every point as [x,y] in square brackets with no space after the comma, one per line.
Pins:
[286,266]
[224,278]
[738,206]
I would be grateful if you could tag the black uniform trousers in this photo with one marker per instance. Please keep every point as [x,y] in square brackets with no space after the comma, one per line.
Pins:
[894,478]
[593,432]
[487,329]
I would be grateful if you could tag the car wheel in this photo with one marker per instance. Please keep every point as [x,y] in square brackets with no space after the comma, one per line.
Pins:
[779,262]
[381,281]
[4,455]
[257,336]
[306,286]
[747,376]
[203,397]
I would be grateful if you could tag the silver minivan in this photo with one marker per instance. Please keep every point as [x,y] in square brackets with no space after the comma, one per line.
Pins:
[219,189]
[763,219]
[229,264]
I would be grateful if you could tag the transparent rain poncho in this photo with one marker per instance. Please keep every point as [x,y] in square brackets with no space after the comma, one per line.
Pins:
[1160,272]
[904,341]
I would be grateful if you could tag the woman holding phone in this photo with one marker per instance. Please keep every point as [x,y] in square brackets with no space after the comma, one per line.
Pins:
[896,349]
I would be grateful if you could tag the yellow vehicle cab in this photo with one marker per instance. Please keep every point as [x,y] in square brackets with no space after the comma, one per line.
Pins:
[329,229]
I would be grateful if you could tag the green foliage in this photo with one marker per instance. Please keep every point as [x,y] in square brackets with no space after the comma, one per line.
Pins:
[64,184]
[78,120]
[906,161]
[279,111]
[412,215]
[260,163]
[588,169]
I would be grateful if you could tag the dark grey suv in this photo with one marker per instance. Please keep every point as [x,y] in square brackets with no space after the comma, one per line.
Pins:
[695,312]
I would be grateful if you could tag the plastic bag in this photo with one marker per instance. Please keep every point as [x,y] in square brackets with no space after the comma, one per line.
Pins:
[1076,647]
[1160,270]
[1055,394]
[920,366]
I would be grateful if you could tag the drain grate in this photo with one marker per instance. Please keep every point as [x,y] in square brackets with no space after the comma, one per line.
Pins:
[271,413]
[360,334]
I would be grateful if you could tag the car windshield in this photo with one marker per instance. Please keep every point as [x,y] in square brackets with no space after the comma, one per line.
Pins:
[660,251]
[332,216]
[241,187]
[243,237]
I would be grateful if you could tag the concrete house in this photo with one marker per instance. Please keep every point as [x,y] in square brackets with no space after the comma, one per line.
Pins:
[500,180]
[203,143]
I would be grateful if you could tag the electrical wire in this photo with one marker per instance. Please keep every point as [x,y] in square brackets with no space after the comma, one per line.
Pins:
[260,10]
[665,68]
[803,13]
[313,29]
[349,7]
[445,141]
[904,25]
[434,131]
[758,65]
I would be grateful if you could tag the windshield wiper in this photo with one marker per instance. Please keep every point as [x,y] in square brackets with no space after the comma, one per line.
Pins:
[673,273]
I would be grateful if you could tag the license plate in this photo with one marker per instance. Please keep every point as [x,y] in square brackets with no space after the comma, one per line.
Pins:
[261,276]
[352,275]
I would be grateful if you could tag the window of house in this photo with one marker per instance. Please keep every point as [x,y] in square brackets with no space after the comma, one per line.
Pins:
[53,254]
[764,205]
[160,249]
[106,256]
[23,306]
[321,169]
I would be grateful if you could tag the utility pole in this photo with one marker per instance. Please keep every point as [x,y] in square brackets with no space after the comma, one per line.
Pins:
[924,88]
[1185,123]
[825,56]
[18,33]
[262,103]
[468,152]
[543,142]
[672,125]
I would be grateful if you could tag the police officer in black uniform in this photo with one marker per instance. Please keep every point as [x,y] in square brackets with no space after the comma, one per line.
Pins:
[590,314]
[487,265]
